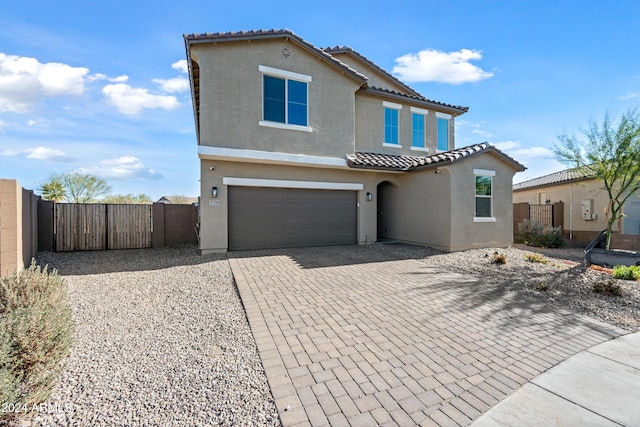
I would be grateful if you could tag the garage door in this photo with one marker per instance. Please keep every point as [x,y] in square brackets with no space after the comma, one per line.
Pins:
[287,217]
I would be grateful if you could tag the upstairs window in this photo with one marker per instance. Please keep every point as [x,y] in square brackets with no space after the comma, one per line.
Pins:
[484,195]
[391,123]
[285,99]
[443,131]
[418,128]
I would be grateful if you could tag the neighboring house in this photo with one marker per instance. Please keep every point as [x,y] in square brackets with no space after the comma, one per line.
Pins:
[584,199]
[178,200]
[304,146]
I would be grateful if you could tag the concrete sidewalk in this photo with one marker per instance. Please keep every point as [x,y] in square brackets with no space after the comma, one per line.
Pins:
[596,387]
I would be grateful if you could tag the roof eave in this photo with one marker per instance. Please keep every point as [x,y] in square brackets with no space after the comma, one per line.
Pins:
[455,111]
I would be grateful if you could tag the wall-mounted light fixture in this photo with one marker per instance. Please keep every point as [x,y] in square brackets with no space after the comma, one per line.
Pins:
[214,192]
[211,168]
[437,170]
[369,197]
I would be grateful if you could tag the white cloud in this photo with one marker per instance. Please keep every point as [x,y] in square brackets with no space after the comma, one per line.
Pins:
[10,152]
[122,168]
[130,101]
[181,65]
[482,133]
[532,153]
[46,153]
[507,145]
[32,123]
[99,76]
[25,81]
[629,96]
[445,67]
[40,153]
[514,149]
[176,84]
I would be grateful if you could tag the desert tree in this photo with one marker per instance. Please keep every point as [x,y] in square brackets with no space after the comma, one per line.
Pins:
[127,199]
[53,189]
[77,187]
[610,152]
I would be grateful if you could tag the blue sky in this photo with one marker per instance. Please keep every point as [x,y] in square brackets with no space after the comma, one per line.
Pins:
[100,86]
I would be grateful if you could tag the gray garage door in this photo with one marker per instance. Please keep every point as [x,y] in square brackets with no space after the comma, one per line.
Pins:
[287,217]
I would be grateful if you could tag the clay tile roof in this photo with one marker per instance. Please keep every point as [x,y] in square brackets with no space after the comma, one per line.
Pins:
[395,162]
[458,109]
[270,34]
[564,176]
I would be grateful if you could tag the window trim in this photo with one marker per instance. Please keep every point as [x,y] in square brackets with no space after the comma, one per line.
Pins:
[286,75]
[491,174]
[447,117]
[420,112]
[397,107]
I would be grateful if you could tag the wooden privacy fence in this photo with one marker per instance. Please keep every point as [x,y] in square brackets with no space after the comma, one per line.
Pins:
[85,227]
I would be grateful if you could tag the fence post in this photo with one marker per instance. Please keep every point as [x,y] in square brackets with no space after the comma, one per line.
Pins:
[157,236]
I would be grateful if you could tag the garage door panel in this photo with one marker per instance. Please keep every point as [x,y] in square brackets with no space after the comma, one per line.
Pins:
[282,217]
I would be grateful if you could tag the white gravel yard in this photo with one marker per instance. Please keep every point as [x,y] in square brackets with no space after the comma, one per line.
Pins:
[161,339]
[564,277]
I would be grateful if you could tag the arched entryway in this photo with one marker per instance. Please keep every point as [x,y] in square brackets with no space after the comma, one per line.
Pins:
[384,210]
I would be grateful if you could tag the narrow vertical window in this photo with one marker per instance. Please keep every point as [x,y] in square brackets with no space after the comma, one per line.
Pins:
[390,125]
[443,134]
[274,99]
[417,139]
[297,102]
[484,195]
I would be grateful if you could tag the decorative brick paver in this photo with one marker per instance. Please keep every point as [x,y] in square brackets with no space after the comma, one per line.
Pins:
[356,335]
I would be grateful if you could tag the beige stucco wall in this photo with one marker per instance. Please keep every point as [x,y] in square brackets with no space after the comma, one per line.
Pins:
[425,207]
[571,195]
[375,78]
[466,233]
[214,221]
[418,208]
[10,227]
[231,99]
[370,128]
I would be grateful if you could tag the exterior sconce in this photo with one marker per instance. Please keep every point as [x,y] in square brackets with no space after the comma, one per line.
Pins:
[437,170]
[214,192]
[369,197]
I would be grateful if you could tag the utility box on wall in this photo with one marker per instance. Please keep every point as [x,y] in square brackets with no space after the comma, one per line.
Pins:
[587,210]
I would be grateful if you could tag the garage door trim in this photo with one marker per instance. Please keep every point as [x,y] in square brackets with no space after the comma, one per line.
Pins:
[279,183]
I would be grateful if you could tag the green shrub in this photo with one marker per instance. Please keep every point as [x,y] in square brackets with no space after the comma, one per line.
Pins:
[607,287]
[626,272]
[35,331]
[536,258]
[534,233]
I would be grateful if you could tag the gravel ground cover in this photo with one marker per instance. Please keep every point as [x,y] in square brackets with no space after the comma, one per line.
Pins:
[161,339]
[562,279]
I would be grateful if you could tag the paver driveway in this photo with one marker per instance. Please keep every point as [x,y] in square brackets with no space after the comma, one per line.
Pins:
[355,335]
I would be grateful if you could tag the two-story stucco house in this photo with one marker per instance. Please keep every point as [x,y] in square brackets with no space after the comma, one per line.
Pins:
[301,146]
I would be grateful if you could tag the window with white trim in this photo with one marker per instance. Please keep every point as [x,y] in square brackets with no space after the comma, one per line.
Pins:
[391,126]
[484,195]
[418,128]
[285,98]
[443,131]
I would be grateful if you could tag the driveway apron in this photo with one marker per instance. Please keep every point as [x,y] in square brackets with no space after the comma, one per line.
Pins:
[357,335]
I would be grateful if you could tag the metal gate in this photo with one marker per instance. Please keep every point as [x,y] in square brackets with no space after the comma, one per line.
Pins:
[86,227]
